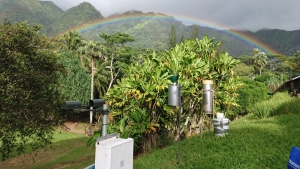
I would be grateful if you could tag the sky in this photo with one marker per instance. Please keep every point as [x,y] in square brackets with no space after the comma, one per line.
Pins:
[251,15]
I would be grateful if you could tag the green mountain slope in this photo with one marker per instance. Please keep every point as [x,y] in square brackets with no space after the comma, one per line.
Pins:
[150,30]
[52,10]
[31,10]
[74,17]
[287,42]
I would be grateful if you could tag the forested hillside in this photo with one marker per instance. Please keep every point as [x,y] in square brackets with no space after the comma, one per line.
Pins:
[73,17]
[33,11]
[286,42]
[150,30]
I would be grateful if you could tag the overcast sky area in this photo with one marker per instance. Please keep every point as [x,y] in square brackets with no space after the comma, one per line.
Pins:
[236,14]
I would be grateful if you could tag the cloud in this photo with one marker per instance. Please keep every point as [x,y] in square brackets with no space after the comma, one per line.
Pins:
[238,14]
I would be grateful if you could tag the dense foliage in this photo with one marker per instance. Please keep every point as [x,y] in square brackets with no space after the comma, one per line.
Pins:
[74,82]
[139,99]
[28,88]
[251,93]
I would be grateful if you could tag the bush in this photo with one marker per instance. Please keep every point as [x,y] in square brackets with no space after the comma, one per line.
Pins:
[251,93]
[264,77]
[261,109]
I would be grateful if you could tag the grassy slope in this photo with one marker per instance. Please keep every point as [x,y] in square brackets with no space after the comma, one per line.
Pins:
[251,143]
[68,150]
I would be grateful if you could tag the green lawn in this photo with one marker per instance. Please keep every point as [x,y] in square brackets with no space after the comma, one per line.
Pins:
[68,150]
[251,143]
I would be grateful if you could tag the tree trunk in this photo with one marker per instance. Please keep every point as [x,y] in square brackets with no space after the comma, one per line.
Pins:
[260,70]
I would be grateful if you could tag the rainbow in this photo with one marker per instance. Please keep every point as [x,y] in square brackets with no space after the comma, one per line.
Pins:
[198,21]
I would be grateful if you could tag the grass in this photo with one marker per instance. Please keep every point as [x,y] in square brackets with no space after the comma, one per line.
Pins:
[68,150]
[280,103]
[251,143]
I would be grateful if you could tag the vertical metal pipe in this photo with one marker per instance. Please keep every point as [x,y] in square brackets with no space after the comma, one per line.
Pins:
[178,151]
[174,99]
[104,120]
[92,95]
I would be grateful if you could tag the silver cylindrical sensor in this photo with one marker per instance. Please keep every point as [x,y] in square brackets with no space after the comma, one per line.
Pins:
[174,98]
[208,97]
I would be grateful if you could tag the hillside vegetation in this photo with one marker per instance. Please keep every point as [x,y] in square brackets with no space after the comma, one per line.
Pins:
[150,30]
[72,18]
[34,11]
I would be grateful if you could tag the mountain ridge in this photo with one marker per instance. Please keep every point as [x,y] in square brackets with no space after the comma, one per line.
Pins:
[81,14]
[150,30]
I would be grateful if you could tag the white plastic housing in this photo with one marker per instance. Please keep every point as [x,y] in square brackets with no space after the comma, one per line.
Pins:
[114,153]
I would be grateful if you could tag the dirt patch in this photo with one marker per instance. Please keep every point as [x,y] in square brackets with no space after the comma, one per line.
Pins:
[79,127]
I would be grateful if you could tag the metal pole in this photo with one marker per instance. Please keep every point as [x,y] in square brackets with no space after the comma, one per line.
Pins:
[92,95]
[104,120]
[174,99]
[178,123]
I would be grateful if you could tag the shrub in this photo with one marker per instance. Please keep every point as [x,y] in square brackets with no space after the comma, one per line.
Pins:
[261,109]
[251,93]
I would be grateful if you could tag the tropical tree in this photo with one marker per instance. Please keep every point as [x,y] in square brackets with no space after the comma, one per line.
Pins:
[172,37]
[101,77]
[290,64]
[143,88]
[116,53]
[182,39]
[195,32]
[29,82]
[89,54]
[275,82]
[259,58]
[137,98]
[72,41]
